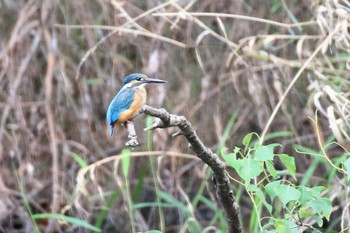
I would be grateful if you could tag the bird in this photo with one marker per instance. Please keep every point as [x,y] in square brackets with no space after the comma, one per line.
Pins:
[129,100]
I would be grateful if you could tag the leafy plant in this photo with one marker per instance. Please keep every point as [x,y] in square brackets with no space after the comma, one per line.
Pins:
[270,190]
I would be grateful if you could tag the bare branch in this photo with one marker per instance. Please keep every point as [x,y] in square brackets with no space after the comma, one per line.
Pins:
[223,190]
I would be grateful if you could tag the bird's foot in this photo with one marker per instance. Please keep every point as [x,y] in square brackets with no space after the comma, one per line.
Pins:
[132,143]
[132,134]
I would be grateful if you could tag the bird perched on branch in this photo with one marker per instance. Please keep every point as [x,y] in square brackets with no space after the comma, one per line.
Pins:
[129,100]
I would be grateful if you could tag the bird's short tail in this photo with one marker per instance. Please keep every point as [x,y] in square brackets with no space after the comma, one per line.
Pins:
[111,129]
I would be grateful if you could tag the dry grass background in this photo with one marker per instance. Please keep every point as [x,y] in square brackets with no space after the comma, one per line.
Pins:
[61,62]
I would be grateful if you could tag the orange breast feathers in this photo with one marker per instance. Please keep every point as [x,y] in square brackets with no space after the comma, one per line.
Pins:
[139,100]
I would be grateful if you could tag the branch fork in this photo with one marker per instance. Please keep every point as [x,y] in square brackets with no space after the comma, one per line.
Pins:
[163,119]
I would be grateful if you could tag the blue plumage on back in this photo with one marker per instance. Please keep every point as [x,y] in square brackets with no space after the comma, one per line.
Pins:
[121,102]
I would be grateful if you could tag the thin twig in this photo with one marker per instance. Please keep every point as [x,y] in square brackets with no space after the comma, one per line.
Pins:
[12,100]
[51,125]
[235,16]
[128,24]
[125,30]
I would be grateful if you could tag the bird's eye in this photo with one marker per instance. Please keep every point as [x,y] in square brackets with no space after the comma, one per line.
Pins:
[139,79]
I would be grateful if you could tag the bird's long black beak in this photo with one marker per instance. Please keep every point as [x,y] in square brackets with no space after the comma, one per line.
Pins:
[154,80]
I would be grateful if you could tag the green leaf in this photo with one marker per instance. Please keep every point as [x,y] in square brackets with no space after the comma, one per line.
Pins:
[287,193]
[247,138]
[149,121]
[227,131]
[171,200]
[338,55]
[232,160]
[207,202]
[306,150]
[282,228]
[278,134]
[270,189]
[264,153]
[315,191]
[152,204]
[236,150]
[305,195]
[126,161]
[285,226]
[266,231]
[276,4]
[308,194]
[246,141]
[193,226]
[318,219]
[139,187]
[104,212]
[25,200]
[78,159]
[305,212]
[294,19]
[249,169]
[322,206]
[289,162]
[347,168]
[223,151]
[93,81]
[307,175]
[271,169]
[74,221]
[259,194]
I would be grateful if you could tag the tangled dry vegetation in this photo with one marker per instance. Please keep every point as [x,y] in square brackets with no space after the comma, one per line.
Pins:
[273,62]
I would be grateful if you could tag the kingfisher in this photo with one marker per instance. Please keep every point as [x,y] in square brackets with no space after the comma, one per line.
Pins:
[129,100]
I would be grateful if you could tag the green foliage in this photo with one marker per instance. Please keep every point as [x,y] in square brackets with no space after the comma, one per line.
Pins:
[276,4]
[78,159]
[104,212]
[93,81]
[289,163]
[126,162]
[287,193]
[347,168]
[253,189]
[264,153]
[285,226]
[149,121]
[26,202]
[74,221]
[227,131]
[292,16]
[269,188]
[191,224]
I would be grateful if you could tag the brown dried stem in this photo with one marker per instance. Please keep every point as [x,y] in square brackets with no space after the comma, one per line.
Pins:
[51,126]
[225,195]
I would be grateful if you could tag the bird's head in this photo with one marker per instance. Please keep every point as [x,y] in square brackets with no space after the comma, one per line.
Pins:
[137,79]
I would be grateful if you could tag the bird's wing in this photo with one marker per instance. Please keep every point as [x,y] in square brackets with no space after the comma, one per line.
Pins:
[121,102]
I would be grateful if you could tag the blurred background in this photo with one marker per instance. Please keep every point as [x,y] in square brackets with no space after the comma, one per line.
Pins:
[227,64]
